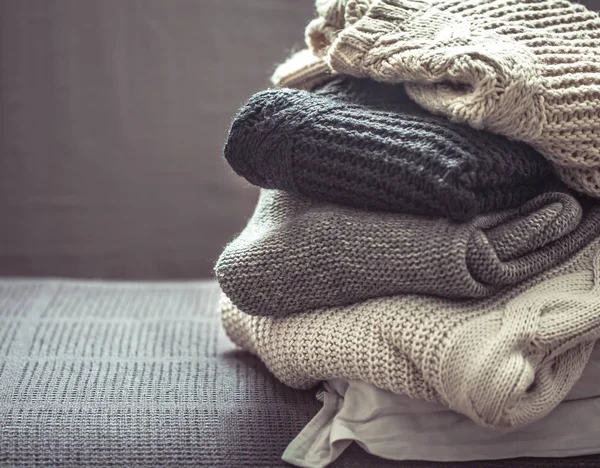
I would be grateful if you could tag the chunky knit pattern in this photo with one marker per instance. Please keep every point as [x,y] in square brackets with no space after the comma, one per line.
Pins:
[296,254]
[504,362]
[361,143]
[333,15]
[528,69]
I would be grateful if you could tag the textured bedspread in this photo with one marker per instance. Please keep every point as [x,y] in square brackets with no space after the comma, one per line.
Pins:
[141,374]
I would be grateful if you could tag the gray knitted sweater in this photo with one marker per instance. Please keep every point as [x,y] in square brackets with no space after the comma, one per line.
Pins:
[297,254]
[366,144]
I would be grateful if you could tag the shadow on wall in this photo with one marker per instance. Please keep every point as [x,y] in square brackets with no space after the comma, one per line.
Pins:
[113,117]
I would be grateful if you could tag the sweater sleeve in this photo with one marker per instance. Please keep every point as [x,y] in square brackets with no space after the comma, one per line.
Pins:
[301,70]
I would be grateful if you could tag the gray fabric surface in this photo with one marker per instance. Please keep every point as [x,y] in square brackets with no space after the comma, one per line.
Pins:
[134,374]
[298,254]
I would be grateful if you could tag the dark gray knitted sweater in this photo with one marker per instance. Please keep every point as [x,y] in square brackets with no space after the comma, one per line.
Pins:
[298,254]
[367,145]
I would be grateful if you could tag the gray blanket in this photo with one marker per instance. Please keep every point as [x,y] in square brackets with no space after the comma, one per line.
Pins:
[141,374]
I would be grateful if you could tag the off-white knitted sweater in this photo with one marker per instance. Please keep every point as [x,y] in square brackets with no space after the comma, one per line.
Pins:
[528,69]
[302,70]
[504,362]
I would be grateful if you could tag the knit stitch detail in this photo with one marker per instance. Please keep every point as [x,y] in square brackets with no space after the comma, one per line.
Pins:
[365,144]
[334,15]
[505,361]
[297,254]
[527,69]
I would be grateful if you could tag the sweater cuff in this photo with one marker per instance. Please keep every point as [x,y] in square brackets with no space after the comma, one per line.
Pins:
[353,44]
[302,70]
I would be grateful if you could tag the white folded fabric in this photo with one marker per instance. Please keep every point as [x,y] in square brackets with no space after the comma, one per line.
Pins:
[400,428]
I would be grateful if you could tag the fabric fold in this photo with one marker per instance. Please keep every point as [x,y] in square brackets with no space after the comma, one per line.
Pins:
[297,254]
[301,70]
[504,362]
[528,70]
[366,144]
[400,428]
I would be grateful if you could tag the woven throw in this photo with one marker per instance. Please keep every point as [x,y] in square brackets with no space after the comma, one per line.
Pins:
[504,362]
[134,374]
[141,374]
[365,144]
[527,69]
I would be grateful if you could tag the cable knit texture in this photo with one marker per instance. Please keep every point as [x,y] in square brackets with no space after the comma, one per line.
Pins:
[528,69]
[505,361]
[333,15]
[365,144]
[297,254]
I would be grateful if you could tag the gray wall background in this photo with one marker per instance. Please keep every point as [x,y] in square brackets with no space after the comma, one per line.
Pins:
[113,114]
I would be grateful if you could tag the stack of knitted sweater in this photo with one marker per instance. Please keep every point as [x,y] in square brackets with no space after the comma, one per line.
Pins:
[428,222]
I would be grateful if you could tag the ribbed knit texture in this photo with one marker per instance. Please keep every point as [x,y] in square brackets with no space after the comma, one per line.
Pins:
[125,374]
[333,15]
[504,362]
[296,254]
[361,143]
[528,69]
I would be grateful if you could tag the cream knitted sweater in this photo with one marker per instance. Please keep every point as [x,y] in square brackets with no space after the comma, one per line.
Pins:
[527,69]
[504,362]
[302,70]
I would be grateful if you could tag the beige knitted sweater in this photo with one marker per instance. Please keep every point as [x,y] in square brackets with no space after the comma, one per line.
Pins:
[302,70]
[504,362]
[528,69]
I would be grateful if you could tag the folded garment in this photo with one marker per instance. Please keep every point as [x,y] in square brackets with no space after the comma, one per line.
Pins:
[301,70]
[397,427]
[529,70]
[504,361]
[365,144]
[297,254]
